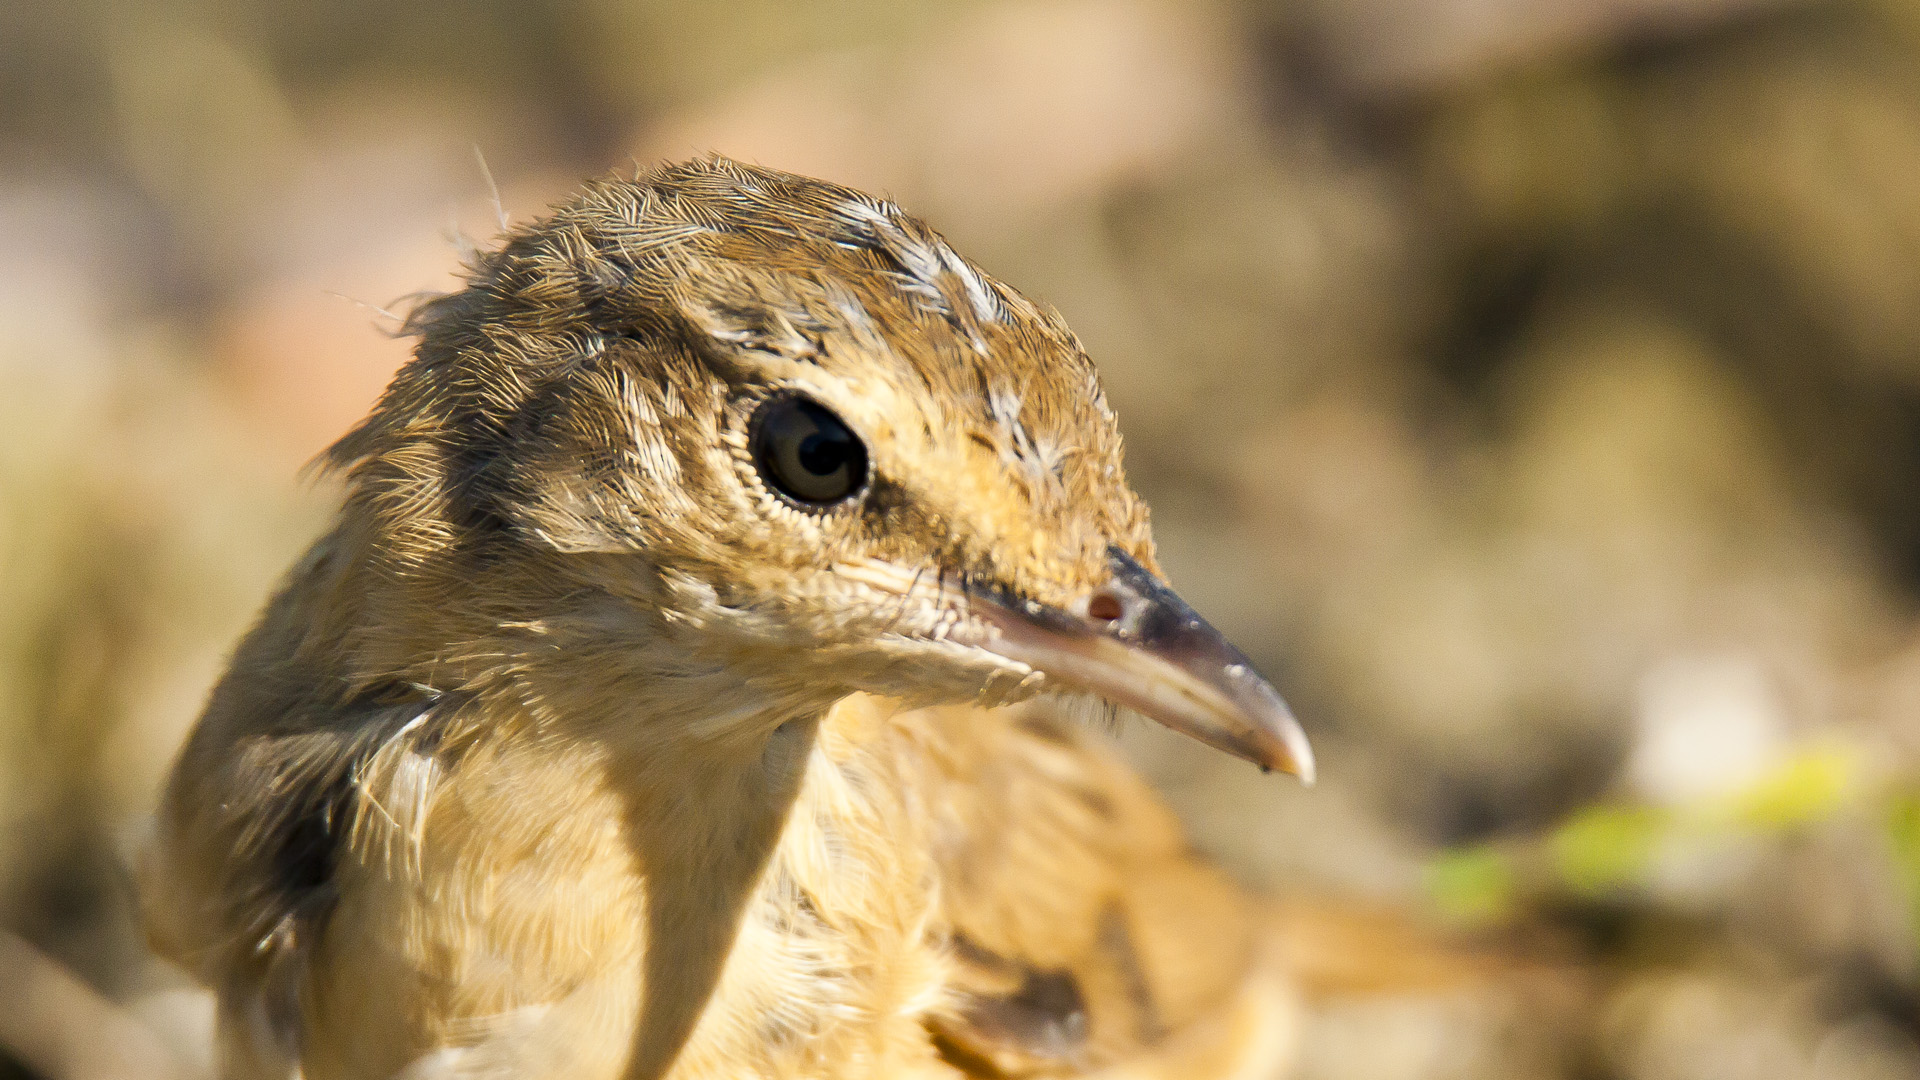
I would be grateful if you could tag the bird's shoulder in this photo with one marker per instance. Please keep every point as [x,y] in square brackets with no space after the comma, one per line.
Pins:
[238,877]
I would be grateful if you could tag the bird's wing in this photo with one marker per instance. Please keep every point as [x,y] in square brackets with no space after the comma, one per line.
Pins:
[1085,935]
[237,884]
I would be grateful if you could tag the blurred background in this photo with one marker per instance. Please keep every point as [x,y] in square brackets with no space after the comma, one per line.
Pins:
[1533,387]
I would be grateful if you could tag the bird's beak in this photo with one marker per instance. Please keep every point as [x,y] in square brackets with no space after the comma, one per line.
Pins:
[1137,644]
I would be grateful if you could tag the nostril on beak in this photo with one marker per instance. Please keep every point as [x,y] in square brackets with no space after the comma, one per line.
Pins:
[1105,607]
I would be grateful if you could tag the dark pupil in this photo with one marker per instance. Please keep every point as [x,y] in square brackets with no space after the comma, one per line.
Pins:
[806,453]
[824,451]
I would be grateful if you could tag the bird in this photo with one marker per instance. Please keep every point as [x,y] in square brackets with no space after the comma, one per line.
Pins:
[695,681]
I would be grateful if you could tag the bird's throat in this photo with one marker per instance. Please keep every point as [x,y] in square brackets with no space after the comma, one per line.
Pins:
[704,829]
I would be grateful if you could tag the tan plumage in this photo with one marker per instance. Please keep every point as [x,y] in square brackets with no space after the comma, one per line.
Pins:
[583,747]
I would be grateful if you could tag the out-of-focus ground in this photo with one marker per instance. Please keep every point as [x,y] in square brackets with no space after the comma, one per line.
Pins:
[1532,386]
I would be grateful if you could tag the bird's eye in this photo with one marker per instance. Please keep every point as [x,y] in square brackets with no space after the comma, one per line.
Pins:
[806,453]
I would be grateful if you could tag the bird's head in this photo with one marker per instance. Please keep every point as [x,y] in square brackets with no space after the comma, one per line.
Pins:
[781,426]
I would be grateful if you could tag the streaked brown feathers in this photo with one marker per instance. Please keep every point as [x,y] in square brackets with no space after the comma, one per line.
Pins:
[575,750]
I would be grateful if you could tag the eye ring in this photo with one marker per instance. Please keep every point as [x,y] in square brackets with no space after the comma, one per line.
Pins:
[805,453]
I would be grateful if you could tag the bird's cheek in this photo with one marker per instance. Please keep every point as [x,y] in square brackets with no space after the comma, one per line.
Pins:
[921,673]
